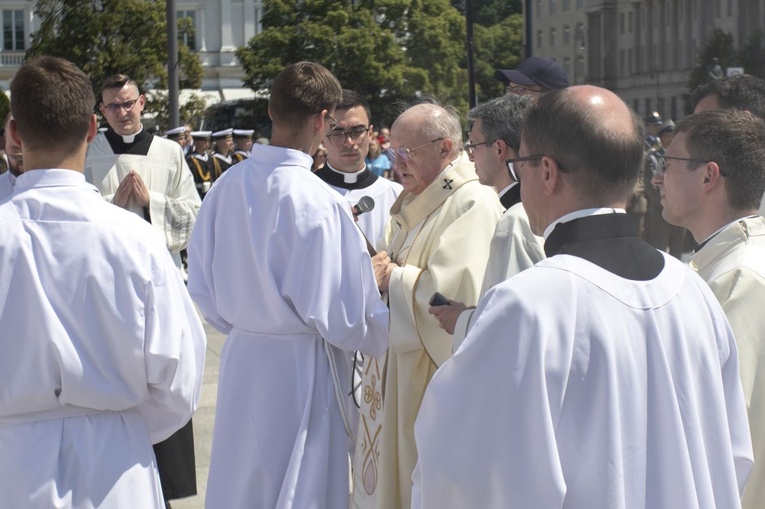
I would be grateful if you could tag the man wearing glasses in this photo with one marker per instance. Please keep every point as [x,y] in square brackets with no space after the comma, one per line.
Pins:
[533,77]
[604,376]
[347,146]
[437,240]
[148,175]
[495,136]
[345,172]
[712,183]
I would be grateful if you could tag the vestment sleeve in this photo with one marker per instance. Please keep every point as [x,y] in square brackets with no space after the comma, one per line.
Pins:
[452,268]
[175,212]
[174,352]
[333,288]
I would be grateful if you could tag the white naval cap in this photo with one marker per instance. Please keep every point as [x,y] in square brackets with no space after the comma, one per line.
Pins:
[244,133]
[217,135]
[176,132]
[203,135]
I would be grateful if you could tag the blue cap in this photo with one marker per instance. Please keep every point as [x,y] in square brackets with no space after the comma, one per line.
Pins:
[541,71]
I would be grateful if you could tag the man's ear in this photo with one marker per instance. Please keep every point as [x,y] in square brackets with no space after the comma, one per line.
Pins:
[552,176]
[92,128]
[12,131]
[712,177]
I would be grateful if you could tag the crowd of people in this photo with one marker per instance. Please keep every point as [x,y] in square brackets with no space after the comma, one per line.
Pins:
[497,322]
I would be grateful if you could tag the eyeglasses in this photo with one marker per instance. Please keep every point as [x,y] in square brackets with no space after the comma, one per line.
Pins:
[470,147]
[337,138]
[117,107]
[663,162]
[523,90]
[511,164]
[332,120]
[405,154]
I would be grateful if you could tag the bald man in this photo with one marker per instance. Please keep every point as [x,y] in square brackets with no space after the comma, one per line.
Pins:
[437,239]
[604,376]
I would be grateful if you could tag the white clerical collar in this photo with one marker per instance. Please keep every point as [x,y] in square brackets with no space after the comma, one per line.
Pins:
[348,178]
[702,243]
[130,138]
[581,213]
[505,190]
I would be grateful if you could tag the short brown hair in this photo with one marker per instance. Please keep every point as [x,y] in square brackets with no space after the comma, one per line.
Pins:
[52,103]
[735,140]
[118,81]
[301,90]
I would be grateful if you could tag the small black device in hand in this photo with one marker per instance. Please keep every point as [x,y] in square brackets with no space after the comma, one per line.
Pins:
[438,299]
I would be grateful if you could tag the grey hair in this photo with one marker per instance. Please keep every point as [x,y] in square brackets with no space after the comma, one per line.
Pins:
[502,118]
[442,121]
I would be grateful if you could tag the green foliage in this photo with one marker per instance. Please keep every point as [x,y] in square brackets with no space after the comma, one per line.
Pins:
[191,112]
[390,51]
[496,47]
[720,46]
[105,37]
[5,106]
[750,56]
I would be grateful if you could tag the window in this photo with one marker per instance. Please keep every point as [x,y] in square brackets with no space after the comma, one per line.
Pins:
[621,23]
[567,5]
[566,34]
[187,28]
[539,8]
[13,30]
[552,37]
[648,109]
[553,6]
[540,36]
[673,107]
[629,22]
[580,4]
[567,65]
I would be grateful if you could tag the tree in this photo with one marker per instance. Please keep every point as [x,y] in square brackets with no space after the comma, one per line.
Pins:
[387,50]
[5,107]
[720,46]
[496,47]
[752,57]
[105,37]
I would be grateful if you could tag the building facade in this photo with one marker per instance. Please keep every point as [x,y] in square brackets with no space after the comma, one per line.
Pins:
[220,27]
[642,50]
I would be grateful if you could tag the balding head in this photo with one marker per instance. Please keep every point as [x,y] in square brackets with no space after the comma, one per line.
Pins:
[433,134]
[594,136]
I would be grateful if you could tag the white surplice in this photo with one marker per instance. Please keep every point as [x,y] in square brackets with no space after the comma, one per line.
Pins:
[173,197]
[276,261]
[578,389]
[101,349]
[7,181]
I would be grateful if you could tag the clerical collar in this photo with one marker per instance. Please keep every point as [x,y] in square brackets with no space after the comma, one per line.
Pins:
[510,195]
[608,240]
[706,241]
[137,144]
[359,180]
[580,213]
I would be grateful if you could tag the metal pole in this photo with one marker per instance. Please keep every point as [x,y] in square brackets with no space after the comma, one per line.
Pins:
[472,99]
[172,66]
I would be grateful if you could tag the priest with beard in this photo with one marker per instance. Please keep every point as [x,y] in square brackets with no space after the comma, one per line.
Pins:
[148,175]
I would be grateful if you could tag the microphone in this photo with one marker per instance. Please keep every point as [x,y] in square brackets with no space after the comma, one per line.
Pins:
[365,204]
